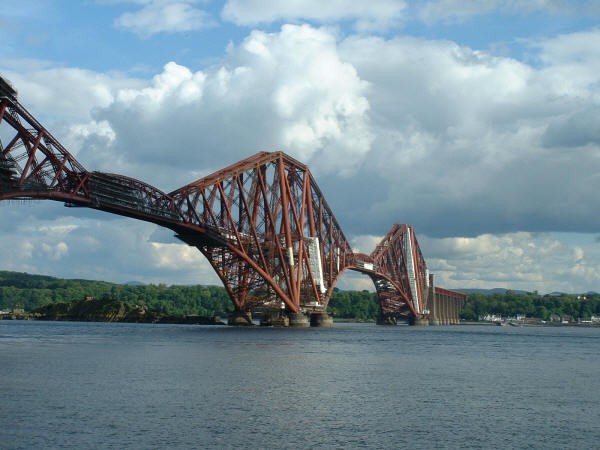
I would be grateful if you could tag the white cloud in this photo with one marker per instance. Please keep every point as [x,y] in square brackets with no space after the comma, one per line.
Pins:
[464,140]
[528,261]
[55,252]
[544,262]
[93,245]
[454,10]
[53,90]
[174,83]
[367,16]
[176,256]
[36,242]
[63,99]
[164,16]
[571,64]
[276,91]
[365,243]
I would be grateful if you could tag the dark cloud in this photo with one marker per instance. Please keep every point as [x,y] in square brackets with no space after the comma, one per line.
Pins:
[578,129]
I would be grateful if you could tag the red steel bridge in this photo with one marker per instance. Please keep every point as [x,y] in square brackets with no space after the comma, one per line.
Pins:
[262,223]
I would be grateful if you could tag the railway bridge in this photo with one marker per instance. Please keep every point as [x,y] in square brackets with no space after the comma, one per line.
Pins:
[262,223]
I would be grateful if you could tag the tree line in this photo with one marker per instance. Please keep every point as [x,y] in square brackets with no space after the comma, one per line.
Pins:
[531,304]
[33,291]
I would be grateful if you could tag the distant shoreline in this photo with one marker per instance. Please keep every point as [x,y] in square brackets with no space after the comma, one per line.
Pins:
[217,320]
[186,320]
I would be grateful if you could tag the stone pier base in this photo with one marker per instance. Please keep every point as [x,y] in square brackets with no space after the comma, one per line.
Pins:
[322,320]
[299,320]
[275,321]
[386,320]
[240,319]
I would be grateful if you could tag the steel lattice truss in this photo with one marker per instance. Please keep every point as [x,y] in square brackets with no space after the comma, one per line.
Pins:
[263,223]
[403,291]
[32,163]
[271,236]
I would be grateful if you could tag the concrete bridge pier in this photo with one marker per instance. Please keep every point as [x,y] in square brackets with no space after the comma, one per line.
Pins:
[299,320]
[445,309]
[434,304]
[275,321]
[240,319]
[443,312]
[444,305]
[382,320]
[322,320]
[454,316]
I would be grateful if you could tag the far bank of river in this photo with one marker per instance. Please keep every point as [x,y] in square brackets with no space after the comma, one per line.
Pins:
[217,320]
[92,309]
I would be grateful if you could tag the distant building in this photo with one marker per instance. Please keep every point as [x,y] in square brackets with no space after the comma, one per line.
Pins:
[490,318]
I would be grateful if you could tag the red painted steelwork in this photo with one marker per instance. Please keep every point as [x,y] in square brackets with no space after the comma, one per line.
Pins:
[391,257]
[388,265]
[33,164]
[263,223]
[271,227]
[449,293]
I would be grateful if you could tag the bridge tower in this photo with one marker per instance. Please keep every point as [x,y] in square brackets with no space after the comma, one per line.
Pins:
[271,237]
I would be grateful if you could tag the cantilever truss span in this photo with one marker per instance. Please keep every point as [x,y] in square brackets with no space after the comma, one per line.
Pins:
[272,237]
[262,223]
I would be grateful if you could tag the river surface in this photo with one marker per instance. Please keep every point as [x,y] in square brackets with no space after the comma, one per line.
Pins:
[144,386]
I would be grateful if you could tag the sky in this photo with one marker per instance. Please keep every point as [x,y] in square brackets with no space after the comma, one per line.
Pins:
[476,122]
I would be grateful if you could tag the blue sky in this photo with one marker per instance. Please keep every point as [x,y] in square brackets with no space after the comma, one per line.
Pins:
[476,122]
[96,34]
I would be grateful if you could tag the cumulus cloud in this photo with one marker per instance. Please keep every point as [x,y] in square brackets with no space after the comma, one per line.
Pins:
[542,262]
[462,140]
[428,129]
[51,90]
[528,261]
[276,91]
[63,99]
[367,16]
[570,64]
[55,252]
[84,247]
[176,256]
[37,242]
[575,129]
[164,16]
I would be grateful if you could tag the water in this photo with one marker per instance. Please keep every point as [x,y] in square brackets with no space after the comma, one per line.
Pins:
[142,386]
